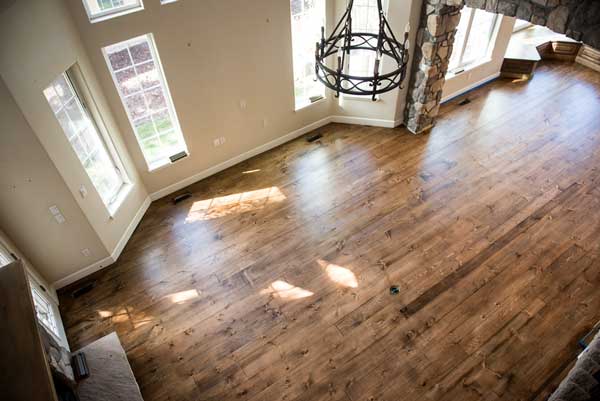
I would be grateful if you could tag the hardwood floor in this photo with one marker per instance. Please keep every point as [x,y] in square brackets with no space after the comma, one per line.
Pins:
[273,281]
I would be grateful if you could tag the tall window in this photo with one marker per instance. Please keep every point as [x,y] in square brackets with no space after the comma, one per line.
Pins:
[365,19]
[473,39]
[102,9]
[138,75]
[5,256]
[44,311]
[308,16]
[86,141]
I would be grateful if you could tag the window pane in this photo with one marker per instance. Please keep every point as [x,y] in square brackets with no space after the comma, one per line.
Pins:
[44,312]
[101,8]
[459,39]
[5,257]
[365,19]
[479,37]
[308,16]
[84,138]
[146,98]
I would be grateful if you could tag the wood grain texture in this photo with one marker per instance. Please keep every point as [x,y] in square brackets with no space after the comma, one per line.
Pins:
[272,281]
[24,371]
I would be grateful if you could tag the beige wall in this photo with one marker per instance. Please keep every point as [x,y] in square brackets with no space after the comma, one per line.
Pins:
[215,54]
[38,41]
[479,74]
[31,184]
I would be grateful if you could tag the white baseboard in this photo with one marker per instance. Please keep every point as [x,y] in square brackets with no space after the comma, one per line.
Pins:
[268,146]
[101,264]
[86,271]
[238,159]
[470,87]
[372,122]
[130,229]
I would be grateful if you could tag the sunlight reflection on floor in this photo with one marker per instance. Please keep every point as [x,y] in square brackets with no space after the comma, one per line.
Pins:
[233,204]
[284,290]
[339,274]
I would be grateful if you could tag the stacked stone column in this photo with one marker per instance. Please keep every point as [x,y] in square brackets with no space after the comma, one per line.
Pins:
[432,55]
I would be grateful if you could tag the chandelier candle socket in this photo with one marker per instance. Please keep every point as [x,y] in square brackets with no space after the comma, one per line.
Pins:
[343,41]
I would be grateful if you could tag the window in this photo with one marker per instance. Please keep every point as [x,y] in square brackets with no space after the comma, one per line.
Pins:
[5,256]
[365,19]
[137,73]
[44,311]
[473,38]
[83,135]
[99,10]
[308,16]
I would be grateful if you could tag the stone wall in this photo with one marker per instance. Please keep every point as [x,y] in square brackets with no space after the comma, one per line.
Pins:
[432,54]
[580,19]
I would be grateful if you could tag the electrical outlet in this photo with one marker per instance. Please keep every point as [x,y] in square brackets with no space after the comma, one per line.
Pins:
[243,104]
[86,252]
[265,122]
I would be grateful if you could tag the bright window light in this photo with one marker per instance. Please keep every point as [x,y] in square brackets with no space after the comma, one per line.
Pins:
[85,139]
[98,10]
[473,39]
[308,16]
[138,75]
[365,19]
[44,311]
[5,256]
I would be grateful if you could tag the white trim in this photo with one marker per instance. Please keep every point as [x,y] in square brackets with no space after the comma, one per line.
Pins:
[238,159]
[466,89]
[86,271]
[131,228]
[270,145]
[101,264]
[372,122]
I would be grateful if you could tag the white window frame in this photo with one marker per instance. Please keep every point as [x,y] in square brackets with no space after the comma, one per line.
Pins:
[111,13]
[115,201]
[372,5]
[44,307]
[298,104]
[152,164]
[6,257]
[462,64]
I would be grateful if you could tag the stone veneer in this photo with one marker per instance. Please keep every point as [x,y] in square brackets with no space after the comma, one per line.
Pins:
[579,19]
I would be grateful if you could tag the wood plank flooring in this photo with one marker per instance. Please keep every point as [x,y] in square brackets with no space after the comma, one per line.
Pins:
[273,281]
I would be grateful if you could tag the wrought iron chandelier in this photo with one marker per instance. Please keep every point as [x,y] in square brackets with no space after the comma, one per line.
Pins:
[343,41]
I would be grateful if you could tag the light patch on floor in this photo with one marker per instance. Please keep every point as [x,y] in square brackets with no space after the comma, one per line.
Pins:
[233,204]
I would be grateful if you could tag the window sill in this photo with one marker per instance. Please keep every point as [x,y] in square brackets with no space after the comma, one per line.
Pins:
[116,14]
[164,163]
[114,207]
[305,106]
[361,98]
[468,68]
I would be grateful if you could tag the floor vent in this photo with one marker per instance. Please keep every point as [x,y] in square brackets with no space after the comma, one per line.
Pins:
[182,197]
[314,138]
[84,289]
